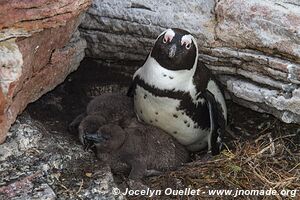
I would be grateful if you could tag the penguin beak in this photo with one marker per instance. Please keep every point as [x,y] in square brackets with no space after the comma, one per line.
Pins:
[172,51]
[96,137]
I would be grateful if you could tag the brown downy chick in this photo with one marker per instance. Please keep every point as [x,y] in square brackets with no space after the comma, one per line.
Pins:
[103,109]
[143,149]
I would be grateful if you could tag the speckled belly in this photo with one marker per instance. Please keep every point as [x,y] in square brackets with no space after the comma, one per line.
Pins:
[162,112]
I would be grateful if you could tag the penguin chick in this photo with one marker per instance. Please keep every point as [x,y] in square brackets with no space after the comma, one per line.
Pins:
[144,150]
[180,93]
[90,124]
[103,109]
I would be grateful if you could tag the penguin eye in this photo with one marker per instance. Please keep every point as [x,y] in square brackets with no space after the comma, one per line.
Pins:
[167,39]
[188,46]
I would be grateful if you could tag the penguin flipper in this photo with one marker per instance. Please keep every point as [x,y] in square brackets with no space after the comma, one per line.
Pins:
[131,89]
[217,125]
[209,89]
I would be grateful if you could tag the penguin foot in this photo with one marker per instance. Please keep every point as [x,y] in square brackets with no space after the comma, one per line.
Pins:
[88,145]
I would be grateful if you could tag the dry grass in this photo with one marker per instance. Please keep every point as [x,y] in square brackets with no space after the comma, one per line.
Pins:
[262,163]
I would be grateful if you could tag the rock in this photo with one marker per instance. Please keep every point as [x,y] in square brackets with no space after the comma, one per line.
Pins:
[260,54]
[252,46]
[102,187]
[26,136]
[37,163]
[269,26]
[39,47]
[127,29]
[11,60]
[44,191]
[25,189]
[19,188]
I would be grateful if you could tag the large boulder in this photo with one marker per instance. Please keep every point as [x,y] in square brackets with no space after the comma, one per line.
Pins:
[253,46]
[39,46]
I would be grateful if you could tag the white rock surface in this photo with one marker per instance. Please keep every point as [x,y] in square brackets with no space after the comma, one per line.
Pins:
[11,64]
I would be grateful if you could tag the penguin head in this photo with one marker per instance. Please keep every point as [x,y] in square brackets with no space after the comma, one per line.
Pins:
[109,137]
[90,124]
[175,49]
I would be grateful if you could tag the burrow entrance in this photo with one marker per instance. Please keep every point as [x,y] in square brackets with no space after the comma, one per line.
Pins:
[256,139]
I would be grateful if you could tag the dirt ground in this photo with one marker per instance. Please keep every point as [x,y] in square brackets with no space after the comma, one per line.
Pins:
[42,160]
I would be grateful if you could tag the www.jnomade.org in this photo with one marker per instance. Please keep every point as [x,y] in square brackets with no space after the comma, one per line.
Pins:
[210,192]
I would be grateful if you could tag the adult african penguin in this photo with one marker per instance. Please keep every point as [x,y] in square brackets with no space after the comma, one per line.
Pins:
[176,93]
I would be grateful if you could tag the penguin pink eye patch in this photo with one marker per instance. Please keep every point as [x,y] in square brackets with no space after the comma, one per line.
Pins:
[186,40]
[167,38]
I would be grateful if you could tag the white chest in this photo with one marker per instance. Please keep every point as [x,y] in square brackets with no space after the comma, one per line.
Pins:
[153,74]
[163,112]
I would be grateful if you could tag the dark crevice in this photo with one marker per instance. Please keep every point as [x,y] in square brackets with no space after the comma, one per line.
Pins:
[140,6]
[43,18]
[50,57]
